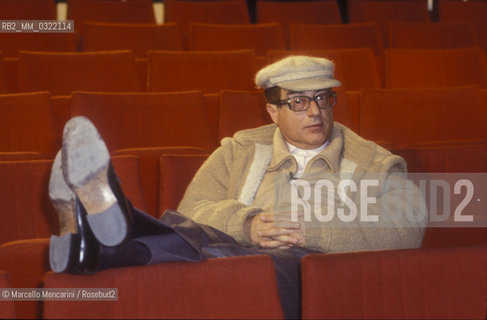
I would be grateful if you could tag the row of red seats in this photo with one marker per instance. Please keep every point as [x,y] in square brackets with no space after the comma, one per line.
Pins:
[146,124]
[141,38]
[141,11]
[435,283]
[33,121]
[27,212]
[28,219]
[164,71]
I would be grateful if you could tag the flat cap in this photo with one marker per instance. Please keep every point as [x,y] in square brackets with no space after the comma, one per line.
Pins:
[298,73]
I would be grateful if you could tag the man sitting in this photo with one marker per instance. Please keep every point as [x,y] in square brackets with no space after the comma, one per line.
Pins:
[249,197]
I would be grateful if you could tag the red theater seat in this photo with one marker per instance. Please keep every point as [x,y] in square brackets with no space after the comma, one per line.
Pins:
[213,289]
[220,12]
[241,110]
[139,38]
[214,37]
[150,171]
[287,12]
[28,124]
[454,156]
[12,43]
[414,116]
[355,68]
[209,72]
[133,120]
[407,68]
[26,261]
[383,12]
[337,36]
[26,211]
[467,160]
[62,73]
[28,9]
[410,284]
[128,11]
[427,35]
[177,171]
[458,10]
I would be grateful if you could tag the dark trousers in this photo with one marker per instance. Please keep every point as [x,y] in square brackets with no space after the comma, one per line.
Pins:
[177,238]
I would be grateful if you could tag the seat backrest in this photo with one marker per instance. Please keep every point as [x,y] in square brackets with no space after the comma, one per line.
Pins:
[207,289]
[405,68]
[25,208]
[345,111]
[12,43]
[383,12]
[26,261]
[28,10]
[177,171]
[412,283]
[62,73]
[7,307]
[132,120]
[140,38]
[241,110]
[458,10]
[287,12]
[427,35]
[354,68]
[209,72]
[150,170]
[337,36]
[259,37]
[413,116]
[221,12]
[128,11]
[28,124]
[455,156]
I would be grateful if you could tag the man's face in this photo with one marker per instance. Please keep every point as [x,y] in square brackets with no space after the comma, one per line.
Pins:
[304,129]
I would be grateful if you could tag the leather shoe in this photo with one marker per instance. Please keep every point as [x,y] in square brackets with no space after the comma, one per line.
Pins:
[88,172]
[75,250]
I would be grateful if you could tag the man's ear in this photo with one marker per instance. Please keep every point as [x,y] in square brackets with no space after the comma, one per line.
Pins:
[273,112]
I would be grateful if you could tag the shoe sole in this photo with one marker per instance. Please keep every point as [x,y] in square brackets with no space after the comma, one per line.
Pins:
[85,166]
[61,252]
[62,247]
[62,198]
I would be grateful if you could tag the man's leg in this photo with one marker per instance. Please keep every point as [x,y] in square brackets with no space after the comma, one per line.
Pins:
[99,227]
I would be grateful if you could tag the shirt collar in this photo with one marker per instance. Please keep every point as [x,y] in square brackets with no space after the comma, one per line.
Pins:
[331,152]
[309,152]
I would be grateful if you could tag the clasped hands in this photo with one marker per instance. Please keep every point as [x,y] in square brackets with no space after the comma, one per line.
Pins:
[276,230]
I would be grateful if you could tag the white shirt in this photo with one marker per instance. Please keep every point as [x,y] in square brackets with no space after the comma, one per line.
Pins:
[302,156]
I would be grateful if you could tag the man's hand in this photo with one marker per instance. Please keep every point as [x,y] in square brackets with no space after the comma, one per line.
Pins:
[275,230]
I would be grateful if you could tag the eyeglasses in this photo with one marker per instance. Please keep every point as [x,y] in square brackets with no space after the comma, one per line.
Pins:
[323,100]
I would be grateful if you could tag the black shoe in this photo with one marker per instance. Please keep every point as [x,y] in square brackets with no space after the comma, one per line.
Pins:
[88,172]
[75,250]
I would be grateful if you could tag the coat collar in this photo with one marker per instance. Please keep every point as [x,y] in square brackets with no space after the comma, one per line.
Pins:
[331,155]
